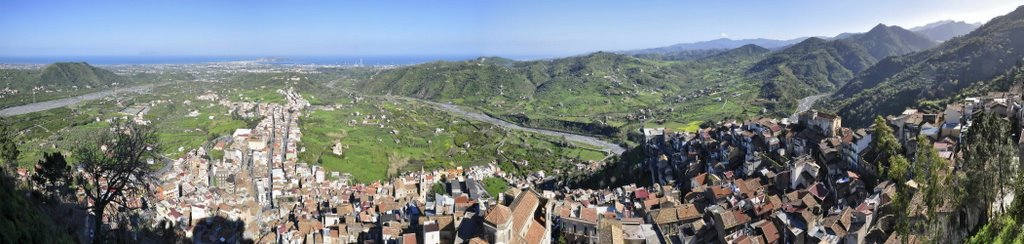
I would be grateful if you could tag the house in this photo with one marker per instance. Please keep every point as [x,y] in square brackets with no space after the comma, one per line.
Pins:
[824,123]
[527,220]
[803,172]
[727,221]
[431,233]
[581,227]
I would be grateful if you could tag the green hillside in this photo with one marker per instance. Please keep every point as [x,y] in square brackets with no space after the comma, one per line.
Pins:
[681,55]
[937,73]
[817,65]
[600,93]
[884,41]
[809,67]
[472,80]
[741,53]
[78,74]
[58,80]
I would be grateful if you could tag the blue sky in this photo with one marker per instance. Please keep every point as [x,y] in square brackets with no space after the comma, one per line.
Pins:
[380,27]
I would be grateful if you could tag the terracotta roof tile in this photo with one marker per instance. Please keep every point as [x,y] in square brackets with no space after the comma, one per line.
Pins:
[498,215]
[687,212]
[664,216]
[535,234]
[771,234]
[523,208]
[589,214]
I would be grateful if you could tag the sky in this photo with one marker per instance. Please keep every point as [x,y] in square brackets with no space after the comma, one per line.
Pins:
[535,28]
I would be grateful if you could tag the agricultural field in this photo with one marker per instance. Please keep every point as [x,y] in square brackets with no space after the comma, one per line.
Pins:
[59,128]
[378,138]
[169,107]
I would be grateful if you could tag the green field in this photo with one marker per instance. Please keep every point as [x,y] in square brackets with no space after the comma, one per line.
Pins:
[265,95]
[425,137]
[175,129]
[495,186]
[401,135]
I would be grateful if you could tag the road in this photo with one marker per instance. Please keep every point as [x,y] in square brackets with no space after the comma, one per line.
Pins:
[52,104]
[455,109]
[805,104]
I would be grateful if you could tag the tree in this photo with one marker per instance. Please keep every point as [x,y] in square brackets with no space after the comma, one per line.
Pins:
[927,171]
[8,149]
[898,167]
[884,143]
[113,168]
[988,165]
[52,172]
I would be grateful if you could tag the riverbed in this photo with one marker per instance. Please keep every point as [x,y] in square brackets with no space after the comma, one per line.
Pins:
[52,104]
[576,138]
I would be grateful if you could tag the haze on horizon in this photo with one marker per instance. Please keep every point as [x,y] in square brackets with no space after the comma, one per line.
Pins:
[520,28]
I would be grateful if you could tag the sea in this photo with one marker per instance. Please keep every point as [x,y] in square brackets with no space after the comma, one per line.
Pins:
[320,60]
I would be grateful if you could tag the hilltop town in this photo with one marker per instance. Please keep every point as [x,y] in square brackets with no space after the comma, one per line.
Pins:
[763,180]
[420,123]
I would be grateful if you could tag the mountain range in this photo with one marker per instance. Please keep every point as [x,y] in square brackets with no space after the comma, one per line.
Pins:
[719,44]
[817,65]
[975,59]
[944,30]
[878,71]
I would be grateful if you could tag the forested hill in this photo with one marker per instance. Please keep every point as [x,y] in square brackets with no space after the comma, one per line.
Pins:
[817,65]
[884,41]
[66,74]
[809,67]
[598,94]
[485,79]
[937,73]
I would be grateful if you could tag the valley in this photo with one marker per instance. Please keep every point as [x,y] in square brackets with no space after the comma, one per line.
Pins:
[887,134]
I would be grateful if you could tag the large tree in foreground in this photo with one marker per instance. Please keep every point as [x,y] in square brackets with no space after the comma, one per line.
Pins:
[114,167]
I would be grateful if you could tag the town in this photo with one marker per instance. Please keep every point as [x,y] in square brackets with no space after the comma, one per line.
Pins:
[762,180]
[526,122]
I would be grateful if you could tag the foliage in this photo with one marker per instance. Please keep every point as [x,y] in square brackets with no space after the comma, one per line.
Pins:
[438,188]
[21,221]
[114,166]
[52,173]
[1006,229]
[8,149]
[928,171]
[495,186]
[987,161]
[884,143]
[898,169]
